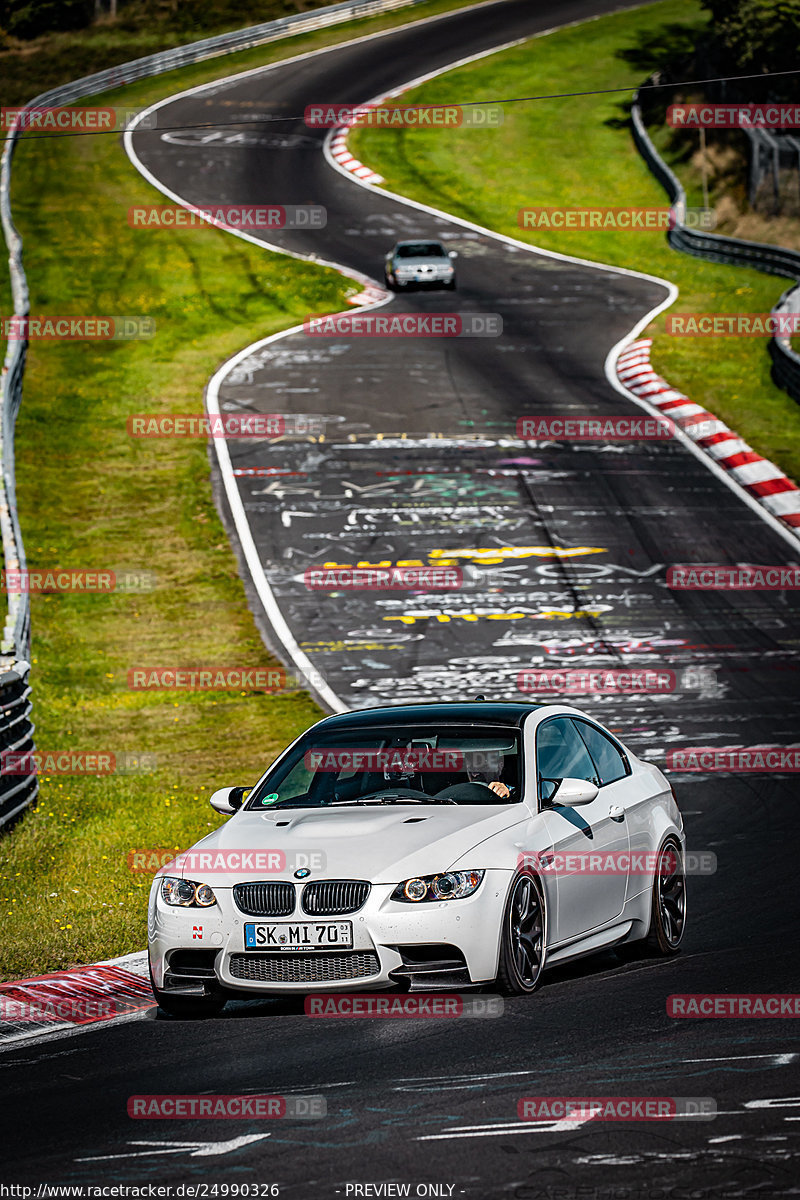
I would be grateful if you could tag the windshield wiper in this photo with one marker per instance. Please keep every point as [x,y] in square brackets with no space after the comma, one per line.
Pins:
[284,804]
[365,802]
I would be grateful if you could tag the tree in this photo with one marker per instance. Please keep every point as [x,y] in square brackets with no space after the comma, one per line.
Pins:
[758,36]
[29,18]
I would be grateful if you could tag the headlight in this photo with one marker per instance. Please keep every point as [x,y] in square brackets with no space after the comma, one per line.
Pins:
[186,894]
[453,885]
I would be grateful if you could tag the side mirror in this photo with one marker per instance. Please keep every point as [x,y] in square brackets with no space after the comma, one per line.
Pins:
[228,800]
[572,793]
[453,254]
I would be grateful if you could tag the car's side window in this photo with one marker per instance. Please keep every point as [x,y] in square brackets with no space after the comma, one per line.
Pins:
[610,763]
[561,754]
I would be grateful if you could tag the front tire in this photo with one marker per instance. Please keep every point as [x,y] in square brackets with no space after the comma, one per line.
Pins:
[188,1006]
[668,905]
[523,938]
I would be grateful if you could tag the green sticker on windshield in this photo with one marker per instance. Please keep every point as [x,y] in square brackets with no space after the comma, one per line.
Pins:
[270,799]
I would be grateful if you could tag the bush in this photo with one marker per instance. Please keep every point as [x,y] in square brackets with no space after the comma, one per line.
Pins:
[29,18]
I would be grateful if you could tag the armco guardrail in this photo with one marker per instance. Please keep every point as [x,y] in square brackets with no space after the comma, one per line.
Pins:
[16,729]
[16,737]
[776,260]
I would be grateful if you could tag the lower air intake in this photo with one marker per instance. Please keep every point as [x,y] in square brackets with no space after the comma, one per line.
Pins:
[303,968]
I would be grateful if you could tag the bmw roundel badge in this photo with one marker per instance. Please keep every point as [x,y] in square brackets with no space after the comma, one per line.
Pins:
[303,873]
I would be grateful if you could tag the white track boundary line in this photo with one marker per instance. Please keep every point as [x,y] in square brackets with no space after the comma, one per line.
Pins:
[265,592]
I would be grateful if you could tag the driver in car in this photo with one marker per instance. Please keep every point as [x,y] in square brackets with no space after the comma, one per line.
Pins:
[483,768]
[486,767]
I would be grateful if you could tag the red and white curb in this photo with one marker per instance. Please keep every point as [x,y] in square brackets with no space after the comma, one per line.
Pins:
[65,1001]
[761,478]
[344,158]
[369,295]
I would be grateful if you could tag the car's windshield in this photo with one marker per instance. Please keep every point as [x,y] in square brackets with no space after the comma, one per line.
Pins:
[419,764]
[421,250]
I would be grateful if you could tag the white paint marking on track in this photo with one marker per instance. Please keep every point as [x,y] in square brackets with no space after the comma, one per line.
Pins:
[194,1149]
[412,1081]
[511,1127]
[781,1060]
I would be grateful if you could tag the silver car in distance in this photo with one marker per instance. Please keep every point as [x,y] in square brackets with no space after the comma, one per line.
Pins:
[422,263]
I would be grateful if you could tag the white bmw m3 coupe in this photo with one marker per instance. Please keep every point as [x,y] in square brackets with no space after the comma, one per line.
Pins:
[424,847]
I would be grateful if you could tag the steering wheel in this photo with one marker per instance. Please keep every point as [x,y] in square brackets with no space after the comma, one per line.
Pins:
[474,792]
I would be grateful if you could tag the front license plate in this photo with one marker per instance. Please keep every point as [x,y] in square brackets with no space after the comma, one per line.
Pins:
[305,936]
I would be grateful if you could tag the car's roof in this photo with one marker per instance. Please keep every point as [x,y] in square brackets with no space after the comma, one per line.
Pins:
[424,241]
[456,713]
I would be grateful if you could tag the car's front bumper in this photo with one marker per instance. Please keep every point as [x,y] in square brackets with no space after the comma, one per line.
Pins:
[436,275]
[389,938]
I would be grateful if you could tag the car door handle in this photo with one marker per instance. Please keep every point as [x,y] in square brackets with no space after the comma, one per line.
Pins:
[616,813]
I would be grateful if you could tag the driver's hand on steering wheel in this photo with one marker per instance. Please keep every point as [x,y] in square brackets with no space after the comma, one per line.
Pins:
[500,789]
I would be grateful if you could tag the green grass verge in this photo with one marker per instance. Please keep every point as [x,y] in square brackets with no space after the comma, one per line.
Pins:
[89,496]
[579,152]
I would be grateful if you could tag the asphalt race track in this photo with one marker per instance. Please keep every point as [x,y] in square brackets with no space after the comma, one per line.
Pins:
[421,461]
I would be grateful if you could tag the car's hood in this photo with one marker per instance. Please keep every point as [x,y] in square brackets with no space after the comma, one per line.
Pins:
[383,845]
